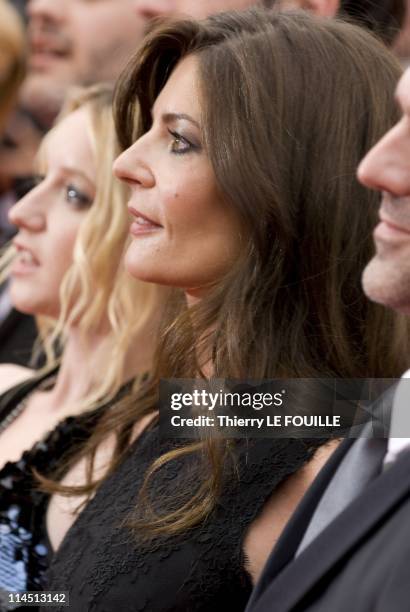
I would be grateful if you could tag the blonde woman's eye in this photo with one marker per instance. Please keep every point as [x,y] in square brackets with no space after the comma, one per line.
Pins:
[77,197]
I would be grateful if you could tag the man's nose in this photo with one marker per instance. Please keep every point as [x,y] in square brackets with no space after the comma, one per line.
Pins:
[149,9]
[46,10]
[387,165]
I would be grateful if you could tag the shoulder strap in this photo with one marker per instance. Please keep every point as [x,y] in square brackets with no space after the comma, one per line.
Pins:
[11,397]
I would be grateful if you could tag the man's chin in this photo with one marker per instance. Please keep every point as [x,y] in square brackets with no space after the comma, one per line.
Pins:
[387,284]
[43,95]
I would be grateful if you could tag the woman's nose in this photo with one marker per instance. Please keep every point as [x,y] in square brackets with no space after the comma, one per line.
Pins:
[132,169]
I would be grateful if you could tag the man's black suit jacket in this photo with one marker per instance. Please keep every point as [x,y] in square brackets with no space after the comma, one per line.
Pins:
[359,563]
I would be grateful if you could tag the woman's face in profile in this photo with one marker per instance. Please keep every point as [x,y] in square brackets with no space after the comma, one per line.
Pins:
[184,234]
[49,217]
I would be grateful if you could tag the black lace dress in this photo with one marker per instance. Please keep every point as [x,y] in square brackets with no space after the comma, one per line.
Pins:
[105,569]
[25,550]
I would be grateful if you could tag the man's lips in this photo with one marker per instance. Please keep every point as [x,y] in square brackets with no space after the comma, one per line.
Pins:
[45,48]
[142,224]
[398,225]
[391,231]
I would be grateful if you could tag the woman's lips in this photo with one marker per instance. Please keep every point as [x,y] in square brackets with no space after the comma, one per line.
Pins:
[142,224]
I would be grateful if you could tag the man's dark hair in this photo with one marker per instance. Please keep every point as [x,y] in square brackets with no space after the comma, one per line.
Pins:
[384,17]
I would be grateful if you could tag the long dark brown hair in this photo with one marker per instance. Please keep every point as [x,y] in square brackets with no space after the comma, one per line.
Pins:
[290,106]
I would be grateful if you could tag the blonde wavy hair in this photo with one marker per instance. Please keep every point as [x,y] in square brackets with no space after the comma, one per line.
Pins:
[12,57]
[96,286]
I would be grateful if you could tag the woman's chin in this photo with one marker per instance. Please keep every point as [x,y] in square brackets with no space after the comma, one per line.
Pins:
[27,305]
[136,268]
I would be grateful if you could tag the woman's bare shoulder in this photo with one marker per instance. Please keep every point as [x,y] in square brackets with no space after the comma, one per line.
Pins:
[11,375]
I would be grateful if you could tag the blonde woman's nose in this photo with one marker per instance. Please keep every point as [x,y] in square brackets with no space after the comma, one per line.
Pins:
[24,214]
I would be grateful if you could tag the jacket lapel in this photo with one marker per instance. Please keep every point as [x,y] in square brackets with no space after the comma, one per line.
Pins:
[288,587]
[292,535]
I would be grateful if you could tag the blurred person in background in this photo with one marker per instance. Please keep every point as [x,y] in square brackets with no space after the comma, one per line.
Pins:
[65,269]
[384,17]
[72,42]
[20,6]
[402,43]
[12,58]
[197,9]
[12,70]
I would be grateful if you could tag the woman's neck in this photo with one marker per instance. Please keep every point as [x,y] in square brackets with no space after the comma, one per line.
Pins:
[86,359]
[193,298]
[83,360]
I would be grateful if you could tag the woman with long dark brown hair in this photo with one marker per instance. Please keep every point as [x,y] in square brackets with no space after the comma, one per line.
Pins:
[242,137]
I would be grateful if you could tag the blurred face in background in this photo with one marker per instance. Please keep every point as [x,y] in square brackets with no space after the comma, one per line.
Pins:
[149,9]
[19,144]
[326,8]
[402,43]
[49,216]
[75,42]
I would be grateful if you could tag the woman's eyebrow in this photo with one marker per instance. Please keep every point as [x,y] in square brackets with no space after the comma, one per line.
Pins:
[70,170]
[171,117]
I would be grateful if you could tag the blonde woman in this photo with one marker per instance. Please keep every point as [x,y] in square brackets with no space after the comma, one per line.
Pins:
[64,268]
[12,58]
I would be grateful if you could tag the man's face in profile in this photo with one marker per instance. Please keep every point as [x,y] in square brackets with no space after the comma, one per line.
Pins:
[77,42]
[386,168]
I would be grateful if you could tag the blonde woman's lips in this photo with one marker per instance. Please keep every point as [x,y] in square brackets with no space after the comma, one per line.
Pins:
[24,262]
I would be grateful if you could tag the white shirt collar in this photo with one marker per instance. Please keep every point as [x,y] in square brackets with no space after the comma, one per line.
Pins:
[396,445]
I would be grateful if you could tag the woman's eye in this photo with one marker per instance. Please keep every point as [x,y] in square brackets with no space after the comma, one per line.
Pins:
[180,144]
[77,197]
